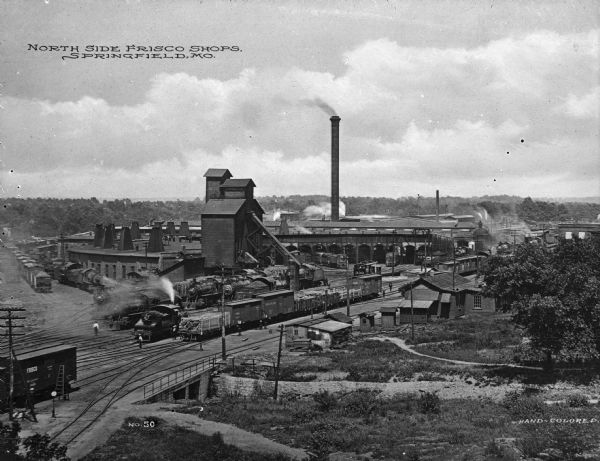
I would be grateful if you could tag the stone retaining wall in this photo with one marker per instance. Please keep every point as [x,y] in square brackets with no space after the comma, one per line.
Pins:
[226,384]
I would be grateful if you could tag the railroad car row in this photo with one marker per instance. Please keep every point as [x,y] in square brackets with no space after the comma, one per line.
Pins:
[39,372]
[275,306]
[33,273]
[339,261]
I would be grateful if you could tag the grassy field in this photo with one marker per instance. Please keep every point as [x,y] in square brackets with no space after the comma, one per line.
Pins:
[476,338]
[412,427]
[166,442]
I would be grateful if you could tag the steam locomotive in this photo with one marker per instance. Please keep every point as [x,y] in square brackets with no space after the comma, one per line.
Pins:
[160,321]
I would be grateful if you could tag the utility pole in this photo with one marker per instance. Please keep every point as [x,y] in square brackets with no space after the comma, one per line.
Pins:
[62,247]
[278,362]
[347,287]
[223,346]
[412,314]
[9,318]
[453,257]
[393,258]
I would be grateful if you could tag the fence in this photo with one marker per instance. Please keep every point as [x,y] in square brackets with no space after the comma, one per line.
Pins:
[177,377]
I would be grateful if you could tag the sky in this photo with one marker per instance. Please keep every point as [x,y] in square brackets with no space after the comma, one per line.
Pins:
[470,98]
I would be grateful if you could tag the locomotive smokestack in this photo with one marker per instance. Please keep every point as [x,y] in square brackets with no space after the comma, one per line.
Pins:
[335,168]
[437,205]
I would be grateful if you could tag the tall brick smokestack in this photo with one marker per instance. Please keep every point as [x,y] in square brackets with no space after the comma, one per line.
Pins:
[437,205]
[335,168]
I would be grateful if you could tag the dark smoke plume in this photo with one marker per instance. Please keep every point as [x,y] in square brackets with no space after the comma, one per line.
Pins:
[318,102]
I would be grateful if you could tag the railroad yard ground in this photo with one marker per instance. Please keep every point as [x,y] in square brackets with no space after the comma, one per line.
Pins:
[374,397]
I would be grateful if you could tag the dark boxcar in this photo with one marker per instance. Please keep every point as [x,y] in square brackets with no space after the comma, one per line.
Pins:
[371,285]
[40,369]
[43,282]
[244,311]
[277,303]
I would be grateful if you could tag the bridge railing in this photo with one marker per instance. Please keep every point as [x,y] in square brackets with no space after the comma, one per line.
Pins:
[179,376]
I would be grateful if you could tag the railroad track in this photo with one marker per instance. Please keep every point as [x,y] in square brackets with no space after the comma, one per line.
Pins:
[125,383]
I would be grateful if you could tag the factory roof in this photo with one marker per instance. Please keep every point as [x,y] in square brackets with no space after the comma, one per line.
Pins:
[217,173]
[400,224]
[238,183]
[219,206]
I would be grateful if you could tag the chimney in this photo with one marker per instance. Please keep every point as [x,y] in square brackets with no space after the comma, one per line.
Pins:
[135,230]
[437,205]
[109,236]
[335,168]
[99,235]
[125,242]
[155,244]
[184,229]
[171,228]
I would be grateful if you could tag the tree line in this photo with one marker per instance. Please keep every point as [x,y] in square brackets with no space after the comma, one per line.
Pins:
[553,295]
[51,216]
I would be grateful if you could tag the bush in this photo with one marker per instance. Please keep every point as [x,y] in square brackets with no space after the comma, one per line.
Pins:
[577,400]
[523,406]
[429,402]
[363,403]
[325,401]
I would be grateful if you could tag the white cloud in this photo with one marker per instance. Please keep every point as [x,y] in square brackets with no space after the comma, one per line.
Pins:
[441,115]
[586,106]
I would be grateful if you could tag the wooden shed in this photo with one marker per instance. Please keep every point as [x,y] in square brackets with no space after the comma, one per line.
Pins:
[367,322]
[415,311]
[388,315]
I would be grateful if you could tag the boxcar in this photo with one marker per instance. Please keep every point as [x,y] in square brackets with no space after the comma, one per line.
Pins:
[42,282]
[371,285]
[246,311]
[39,368]
[276,304]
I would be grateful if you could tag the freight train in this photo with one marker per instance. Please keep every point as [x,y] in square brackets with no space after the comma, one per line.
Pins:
[33,273]
[39,372]
[275,306]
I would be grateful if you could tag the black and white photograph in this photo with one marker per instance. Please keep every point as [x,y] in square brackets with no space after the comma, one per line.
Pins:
[290,230]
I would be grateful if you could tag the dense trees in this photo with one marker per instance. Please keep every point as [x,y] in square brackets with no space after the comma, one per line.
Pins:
[49,217]
[555,296]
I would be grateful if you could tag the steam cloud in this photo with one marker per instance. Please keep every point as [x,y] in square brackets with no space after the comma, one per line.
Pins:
[323,209]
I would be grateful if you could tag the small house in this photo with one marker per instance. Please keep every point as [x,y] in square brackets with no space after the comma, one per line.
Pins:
[320,332]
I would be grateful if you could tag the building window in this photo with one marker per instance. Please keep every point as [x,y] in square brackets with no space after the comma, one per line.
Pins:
[296,333]
[124,271]
[477,302]
[115,271]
